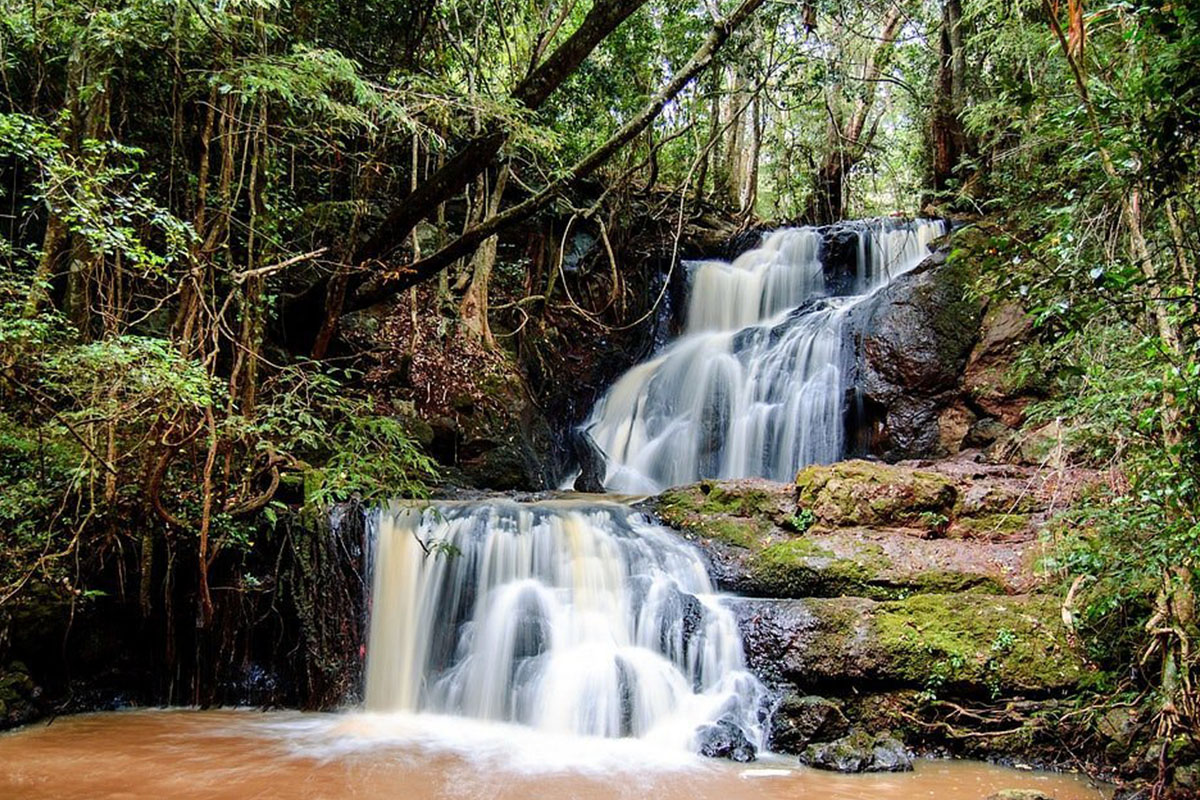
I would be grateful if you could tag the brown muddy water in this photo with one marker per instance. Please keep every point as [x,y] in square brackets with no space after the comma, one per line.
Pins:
[250,754]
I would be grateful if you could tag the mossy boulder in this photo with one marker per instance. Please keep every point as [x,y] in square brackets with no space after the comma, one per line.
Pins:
[859,752]
[18,696]
[761,544]
[1002,643]
[969,643]
[845,565]
[852,493]
[736,513]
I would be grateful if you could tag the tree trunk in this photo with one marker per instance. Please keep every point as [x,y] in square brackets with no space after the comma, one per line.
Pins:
[477,154]
[849,140]
[474,307]
[946,134]
[734,146]
[750,186]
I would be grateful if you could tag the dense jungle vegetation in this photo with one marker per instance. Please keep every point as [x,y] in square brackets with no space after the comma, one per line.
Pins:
[194,195]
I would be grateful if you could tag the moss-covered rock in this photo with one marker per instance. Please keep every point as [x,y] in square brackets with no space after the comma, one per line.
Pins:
[991,527]
[761,544]
[18,696]
[1002,643]
[971,643]
[859,752]
[740,514]
[801,719]
[800,567]
[867,493]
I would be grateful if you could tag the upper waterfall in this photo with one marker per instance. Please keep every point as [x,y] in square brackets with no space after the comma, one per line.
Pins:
[572,618]
[757,384]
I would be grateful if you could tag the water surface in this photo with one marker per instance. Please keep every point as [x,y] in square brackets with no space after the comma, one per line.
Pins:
[247,754]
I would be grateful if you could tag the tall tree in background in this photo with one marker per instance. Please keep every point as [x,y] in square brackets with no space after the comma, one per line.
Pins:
[948,138]
[851,128]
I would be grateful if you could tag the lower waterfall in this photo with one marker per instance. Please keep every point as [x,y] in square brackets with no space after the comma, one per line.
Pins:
[759,383]
[570,617]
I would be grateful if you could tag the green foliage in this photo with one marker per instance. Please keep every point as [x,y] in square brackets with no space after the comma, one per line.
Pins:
[802,520]
[99,191]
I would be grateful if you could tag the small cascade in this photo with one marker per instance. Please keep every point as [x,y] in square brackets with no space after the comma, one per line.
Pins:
[757,385]
[573,618]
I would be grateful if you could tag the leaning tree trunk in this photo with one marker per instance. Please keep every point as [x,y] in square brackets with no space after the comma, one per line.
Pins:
[387,283]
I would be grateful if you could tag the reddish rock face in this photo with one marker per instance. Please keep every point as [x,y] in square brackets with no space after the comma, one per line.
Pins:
[987,380]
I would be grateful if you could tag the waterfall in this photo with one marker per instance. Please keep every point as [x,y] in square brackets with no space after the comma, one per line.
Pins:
[757,384]
[572,618]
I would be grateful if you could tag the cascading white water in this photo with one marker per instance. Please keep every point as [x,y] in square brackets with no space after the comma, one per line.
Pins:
[572,618]
[756,386]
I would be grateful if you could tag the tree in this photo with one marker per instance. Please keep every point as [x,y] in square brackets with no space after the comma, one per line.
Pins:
[848,133]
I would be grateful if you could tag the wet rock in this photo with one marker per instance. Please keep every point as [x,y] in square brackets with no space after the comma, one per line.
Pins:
[18,696]
[915,336]
[592,466]
[839,256]
[1019,794]
[859,752]
[724,739]
[800,720]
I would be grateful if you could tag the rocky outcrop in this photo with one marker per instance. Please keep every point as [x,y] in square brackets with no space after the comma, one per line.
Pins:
[969,643]
[873,530]
[987,377]
[914,338]
[894,598]
[724,739]
[801,719]
[866,493]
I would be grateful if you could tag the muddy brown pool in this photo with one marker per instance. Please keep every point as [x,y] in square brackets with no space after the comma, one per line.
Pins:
[249,754]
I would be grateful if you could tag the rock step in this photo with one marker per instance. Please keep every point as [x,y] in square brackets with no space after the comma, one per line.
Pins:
[969,644]
[866,529]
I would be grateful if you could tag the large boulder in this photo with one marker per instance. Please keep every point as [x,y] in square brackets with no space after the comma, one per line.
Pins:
[970,643]
[988,377]
[866,493]
[914,335]
[724,739]
[799,720]
[18,696]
